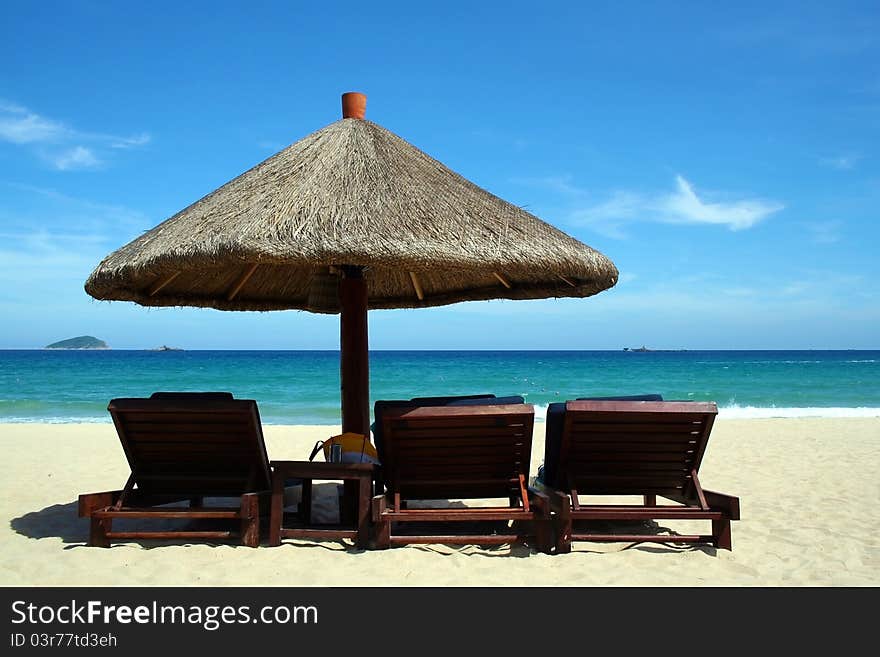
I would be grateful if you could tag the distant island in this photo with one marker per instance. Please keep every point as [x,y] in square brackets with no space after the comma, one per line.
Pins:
[81,342]
[165,347]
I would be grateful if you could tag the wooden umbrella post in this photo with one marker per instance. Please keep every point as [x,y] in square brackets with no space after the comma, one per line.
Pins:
[354,366]
[354,356]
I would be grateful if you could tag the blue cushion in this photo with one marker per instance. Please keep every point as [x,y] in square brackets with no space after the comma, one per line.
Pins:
[192,396]
[553,432]
[491,401]
[444,401]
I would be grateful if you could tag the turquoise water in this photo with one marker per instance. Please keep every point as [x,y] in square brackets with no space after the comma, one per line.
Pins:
[302,387]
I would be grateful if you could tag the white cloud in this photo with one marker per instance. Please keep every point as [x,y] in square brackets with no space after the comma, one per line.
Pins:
[796,288]
[683,206]
[52,208]
[19,125]
[78,157]
[840,162]
[560,184]
[824,232]
[129,142]
[6,106]
[742,292]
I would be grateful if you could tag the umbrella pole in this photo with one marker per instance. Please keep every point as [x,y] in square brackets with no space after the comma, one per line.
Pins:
[354,353]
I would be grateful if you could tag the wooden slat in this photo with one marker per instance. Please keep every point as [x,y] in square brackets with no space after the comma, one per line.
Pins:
[651,447]
[233,292]
[502,279]
[316,533]
[589,473]
[642,426]
[176,535]
[456,539]
[593,512]
[417,286]
[161,283]
[659,408]
[207,424]
[450,481]
[485,433]
[466,413]
[477,511]
[229,452]
[642,538]
[577,460]
[156,512]
[636,456]
[498,455]
[456,515]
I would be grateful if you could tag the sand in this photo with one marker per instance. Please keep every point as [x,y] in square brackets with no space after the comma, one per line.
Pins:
[809,489]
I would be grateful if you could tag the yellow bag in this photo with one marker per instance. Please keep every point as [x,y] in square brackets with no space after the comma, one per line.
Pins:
[356,448]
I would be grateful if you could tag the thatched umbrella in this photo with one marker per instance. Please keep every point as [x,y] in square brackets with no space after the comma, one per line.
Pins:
[348,218]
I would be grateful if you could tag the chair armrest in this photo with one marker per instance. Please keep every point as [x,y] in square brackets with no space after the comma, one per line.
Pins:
[89,502]
[378,506]
[559,501]
[540,501]
[726,503]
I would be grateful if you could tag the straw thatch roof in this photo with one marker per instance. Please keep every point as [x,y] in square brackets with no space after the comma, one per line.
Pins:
[352,193]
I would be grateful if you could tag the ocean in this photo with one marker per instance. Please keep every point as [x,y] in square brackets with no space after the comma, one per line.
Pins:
[302,387]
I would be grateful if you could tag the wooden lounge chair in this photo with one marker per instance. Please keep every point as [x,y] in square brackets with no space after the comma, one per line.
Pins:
[460,453]
[649,449]
[184,448]
[382,405]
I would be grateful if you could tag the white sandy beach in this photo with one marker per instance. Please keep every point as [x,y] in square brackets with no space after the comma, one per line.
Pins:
[809,490]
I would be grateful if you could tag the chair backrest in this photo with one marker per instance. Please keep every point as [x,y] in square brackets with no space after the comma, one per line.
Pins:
[193,446]
[633,447]
[553,431]
[457,452]
[382,405]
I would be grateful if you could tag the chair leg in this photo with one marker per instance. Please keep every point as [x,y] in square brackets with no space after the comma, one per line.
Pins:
[563,525]
[98,529]
[250,520]
[382,526]
[544,538]
[276,514]
[363,514]
[721,534]
[305,504]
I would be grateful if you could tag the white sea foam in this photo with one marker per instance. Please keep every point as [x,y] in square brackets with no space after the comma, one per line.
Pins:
[727,412]
[749,412]
[54,420]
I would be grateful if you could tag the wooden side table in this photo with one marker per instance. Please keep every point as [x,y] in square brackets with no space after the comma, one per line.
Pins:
[352,474]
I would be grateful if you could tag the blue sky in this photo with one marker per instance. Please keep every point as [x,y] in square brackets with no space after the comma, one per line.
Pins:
[724,157]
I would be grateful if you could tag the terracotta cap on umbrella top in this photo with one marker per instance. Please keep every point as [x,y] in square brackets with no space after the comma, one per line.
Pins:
[354,105]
